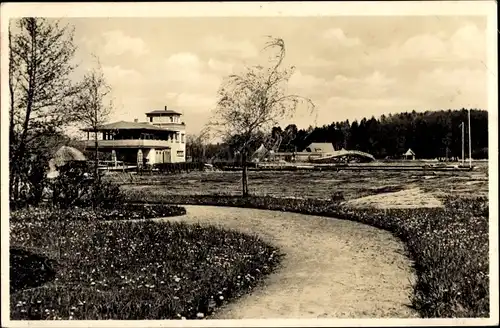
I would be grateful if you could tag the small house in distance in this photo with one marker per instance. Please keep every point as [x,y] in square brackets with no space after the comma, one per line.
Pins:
[409,154]
[320,147]
[317,150]
[313,151]
[162,139]
[260,154]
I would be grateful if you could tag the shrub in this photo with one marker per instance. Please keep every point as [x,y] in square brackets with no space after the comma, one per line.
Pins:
[76,185]
[122,211]
[72,185]
[28,270]
[337,196]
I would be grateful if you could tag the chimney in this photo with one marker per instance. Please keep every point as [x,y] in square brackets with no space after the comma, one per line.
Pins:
[136,120]
[165,107]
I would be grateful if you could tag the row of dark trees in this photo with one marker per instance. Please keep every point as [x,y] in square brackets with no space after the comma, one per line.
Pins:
[430,134]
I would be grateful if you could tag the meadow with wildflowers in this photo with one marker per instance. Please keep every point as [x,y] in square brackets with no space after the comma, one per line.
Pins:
[130,270]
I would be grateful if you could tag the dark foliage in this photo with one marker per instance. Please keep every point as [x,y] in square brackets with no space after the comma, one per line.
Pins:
[29,270]
[76,185]
[121,211]
[431,134]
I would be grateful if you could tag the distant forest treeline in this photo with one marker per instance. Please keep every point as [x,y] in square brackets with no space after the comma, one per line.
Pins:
[430,134]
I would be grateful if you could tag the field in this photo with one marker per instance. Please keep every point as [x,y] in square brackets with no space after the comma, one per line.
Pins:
[314,185]
[444,222]
[445,230]
[80,268]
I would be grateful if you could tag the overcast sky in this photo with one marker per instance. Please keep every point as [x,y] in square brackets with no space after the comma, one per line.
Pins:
[350,67]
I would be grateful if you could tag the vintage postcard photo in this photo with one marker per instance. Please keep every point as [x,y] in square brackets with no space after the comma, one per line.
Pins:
[249,164]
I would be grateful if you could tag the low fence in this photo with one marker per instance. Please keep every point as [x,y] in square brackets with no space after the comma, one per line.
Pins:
[230,166]
[178,167]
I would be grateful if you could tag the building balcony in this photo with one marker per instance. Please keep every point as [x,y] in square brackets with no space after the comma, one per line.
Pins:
[170,126]
[128,143]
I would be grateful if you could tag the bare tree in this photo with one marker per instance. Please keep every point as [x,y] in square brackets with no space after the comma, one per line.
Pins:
[250,104]
[196,144]
[92,107]
[40,65]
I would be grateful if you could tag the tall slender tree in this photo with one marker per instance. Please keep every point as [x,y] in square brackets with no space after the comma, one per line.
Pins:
[40,64]
[251,103]
[92,108]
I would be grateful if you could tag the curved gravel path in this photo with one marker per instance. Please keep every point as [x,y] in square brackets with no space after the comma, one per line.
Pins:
[332,268]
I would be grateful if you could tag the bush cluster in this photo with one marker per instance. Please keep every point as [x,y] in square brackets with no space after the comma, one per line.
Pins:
[122,211]
[449,246]
[137,270]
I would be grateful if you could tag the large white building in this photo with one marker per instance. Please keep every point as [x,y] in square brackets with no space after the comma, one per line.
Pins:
[162,139]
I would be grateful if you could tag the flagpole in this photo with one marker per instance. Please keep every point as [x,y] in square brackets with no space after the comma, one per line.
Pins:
[470,145]
[463,142]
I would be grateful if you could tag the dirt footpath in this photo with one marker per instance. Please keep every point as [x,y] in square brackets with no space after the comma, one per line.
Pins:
[332,268]
[409,198]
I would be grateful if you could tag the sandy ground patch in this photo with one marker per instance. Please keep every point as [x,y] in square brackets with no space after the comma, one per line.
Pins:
[332,268]
[409,198]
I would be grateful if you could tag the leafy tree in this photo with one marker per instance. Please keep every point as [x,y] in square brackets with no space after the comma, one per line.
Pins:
[196,145]
[40,54]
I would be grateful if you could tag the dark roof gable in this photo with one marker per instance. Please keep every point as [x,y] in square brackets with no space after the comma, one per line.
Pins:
[126,126]
[162,111]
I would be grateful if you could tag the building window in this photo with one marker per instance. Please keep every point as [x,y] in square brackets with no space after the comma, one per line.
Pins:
[180,153]
[182,138]
[151,119]
[171,119]
[177,137]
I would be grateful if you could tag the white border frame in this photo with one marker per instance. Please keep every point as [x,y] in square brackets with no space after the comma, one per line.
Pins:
[261,9]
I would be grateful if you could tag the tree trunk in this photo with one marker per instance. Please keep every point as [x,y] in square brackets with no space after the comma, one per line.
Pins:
[32,77]
[244,177]
[11,119]
[96,169]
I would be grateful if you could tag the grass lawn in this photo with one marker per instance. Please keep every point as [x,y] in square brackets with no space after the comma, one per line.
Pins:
[314,185]
[92,270]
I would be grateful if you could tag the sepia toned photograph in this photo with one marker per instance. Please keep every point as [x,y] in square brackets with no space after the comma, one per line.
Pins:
[192,166]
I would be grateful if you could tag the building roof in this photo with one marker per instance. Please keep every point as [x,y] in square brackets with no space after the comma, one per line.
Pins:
[162,111]
[123,125]
[61,157]
[409,152]
[320,147]
[260,153]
